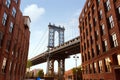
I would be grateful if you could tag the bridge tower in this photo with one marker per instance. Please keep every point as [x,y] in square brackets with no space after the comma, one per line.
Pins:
[52,29]
[51,44]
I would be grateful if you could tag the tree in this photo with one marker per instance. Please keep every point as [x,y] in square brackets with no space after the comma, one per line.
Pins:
[40,73]
[78,71]
[29,64]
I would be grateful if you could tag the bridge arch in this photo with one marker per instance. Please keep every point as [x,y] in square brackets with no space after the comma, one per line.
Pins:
[51,39]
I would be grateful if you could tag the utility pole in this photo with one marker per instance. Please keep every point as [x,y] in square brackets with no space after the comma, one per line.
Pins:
[76,57]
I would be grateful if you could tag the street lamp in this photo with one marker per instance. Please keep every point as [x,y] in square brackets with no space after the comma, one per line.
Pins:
[76,57]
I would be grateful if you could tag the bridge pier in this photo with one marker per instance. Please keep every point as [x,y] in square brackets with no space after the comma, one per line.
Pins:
[50,68]
[61,69]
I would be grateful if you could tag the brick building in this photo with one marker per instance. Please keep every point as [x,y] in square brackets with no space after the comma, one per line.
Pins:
[69,75]
[14,40]
[99,25]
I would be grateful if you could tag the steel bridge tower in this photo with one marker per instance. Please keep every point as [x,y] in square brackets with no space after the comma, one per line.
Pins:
[51,44]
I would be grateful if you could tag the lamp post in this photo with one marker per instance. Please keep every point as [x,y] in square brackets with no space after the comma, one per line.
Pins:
[76,57]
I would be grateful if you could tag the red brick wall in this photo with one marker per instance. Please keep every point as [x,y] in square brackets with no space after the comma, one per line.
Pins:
[87,46]
[20,36]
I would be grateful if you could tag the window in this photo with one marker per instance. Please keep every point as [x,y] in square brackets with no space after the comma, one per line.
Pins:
[91,40]
[88,55]
[16,54]
[84,46]
[89,15]
[16,1]
[119,9]
[8,45]
[4,19]
[102,29]
[105,45]
[87,43]
[69,77]
[107,65]
[114,40]
[14,12]
[86,69]
[14,48]
[86,32]
[10,66]
[90,68]
[90,27]
[96,35]
[118,58]
[93,9]
[85,9]
[1,38]
[100,14]
[14,67]
[111,22]
[11,27]
[95,67]
[94,22]
[4,65]
[108,5]
[98,49]
[98,1]
[89,3]
[118,13]
[8,2]
[100,66]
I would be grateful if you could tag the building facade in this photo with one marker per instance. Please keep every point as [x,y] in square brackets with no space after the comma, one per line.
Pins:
[68,75]
[14,40]
[99,25]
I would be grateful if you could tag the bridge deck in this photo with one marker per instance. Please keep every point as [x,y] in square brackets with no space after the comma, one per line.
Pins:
[63,51]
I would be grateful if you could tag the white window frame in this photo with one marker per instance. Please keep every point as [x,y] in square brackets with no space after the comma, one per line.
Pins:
[4,64]
[101,66]
[11,27]
[101,14]
[108,5]
[118,58]
[91,68]
[98,47]
[114,38]
[4,19]
[89,3]
[103,28]
[107,63]
[8,2]
[105,44]
[119,9]
[111,21]
[13,11]
[95,67]
[98,1]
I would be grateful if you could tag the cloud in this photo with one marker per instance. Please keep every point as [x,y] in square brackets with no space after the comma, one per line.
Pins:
[34,12]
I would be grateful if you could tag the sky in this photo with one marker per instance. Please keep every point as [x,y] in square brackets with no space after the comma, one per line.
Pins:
[59,12]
